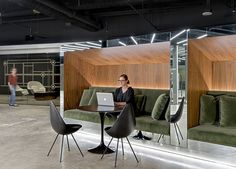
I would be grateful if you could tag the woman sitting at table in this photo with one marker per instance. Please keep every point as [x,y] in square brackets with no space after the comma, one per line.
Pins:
[125,93]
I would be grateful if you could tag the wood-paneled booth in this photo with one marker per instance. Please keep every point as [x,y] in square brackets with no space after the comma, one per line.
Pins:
[211,67]
[147,66]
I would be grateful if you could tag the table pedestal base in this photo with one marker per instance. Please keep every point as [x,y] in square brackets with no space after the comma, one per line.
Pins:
[100,149]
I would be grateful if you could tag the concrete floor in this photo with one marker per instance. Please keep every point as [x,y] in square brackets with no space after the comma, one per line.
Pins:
[28,100]
[26,136]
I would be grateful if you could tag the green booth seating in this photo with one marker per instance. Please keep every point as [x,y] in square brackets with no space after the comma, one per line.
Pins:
[145,100]
[217,122]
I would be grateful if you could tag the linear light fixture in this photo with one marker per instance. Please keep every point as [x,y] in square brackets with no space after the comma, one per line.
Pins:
[69,48]
[122,43]
[84,45]
[178,34]
[182,41]
[202,36]
[153,37]
[133,40]
[95,44]
[75,46]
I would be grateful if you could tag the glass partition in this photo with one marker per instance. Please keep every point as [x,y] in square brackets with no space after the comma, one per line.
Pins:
[38,78]
[178,90]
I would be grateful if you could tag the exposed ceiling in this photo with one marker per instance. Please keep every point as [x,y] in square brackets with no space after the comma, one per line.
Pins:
[47,21]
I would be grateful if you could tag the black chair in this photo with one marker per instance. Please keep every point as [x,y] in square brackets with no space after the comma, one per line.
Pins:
[122,128]
[60,127]
[174,119]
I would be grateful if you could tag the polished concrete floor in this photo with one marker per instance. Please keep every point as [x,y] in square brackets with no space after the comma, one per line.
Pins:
[27,100]
[26,136]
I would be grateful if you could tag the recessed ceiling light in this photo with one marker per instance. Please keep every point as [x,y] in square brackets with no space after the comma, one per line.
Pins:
[36,11]
[208,10]
[207,13]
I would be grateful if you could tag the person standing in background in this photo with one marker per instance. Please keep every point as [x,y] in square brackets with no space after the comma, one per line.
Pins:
[12,82]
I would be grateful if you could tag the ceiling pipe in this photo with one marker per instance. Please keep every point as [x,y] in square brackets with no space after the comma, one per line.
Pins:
[60,13]
[69,13]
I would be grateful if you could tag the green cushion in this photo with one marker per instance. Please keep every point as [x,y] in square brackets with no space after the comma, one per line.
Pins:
[208,109]
[227,111]
[159,106]
[86,96]
[139,101]
[147,123]
[87,116]
[213,134]
[152,95]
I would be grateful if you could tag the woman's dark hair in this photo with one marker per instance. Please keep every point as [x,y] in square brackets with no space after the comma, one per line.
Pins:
[125,77]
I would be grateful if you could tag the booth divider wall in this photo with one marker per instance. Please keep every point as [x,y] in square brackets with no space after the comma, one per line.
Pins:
[211,66]
[146,65]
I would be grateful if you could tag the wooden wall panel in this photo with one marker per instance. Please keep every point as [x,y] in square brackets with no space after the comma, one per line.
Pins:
[78,75]
[224,76]
[134,54]
[146,65]
[211,66]
[220,48]
[140,75]
[199,81]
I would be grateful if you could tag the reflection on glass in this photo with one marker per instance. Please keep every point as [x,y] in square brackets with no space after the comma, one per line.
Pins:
[36,73]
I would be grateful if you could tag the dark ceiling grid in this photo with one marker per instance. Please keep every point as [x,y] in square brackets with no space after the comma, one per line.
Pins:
[81,20]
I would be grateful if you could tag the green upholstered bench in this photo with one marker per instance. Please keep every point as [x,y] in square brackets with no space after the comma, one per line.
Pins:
[144,121]
[213,134]
[209,129]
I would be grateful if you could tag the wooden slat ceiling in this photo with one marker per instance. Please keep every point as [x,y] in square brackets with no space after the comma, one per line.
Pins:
[221,48]
[135,54]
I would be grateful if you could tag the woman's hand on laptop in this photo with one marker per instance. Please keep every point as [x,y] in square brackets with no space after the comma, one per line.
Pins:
[120,103]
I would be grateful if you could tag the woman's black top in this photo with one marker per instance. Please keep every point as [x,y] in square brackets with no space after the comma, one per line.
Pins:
[127,96]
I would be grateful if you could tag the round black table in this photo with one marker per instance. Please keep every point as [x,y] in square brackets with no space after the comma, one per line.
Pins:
[102,110]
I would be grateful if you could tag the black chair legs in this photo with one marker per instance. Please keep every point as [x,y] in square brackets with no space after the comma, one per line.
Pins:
[107,148]
[62,147]
[161,135]
[63,144]
[132,150]
[179,131]
[122,147]
[68,143]
[117,147]
[176,131]
[77,145]
[53,144]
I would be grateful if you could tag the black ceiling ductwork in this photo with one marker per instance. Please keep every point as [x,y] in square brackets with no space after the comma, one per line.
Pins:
[59,12]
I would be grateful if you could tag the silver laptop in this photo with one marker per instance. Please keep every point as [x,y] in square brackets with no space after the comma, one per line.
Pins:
[105,99]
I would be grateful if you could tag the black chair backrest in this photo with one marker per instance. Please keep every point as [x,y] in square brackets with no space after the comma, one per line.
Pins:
[176,117]
[125,124]
[57,121]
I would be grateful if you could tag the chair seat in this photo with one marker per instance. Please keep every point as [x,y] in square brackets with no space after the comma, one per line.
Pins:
[71,128]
